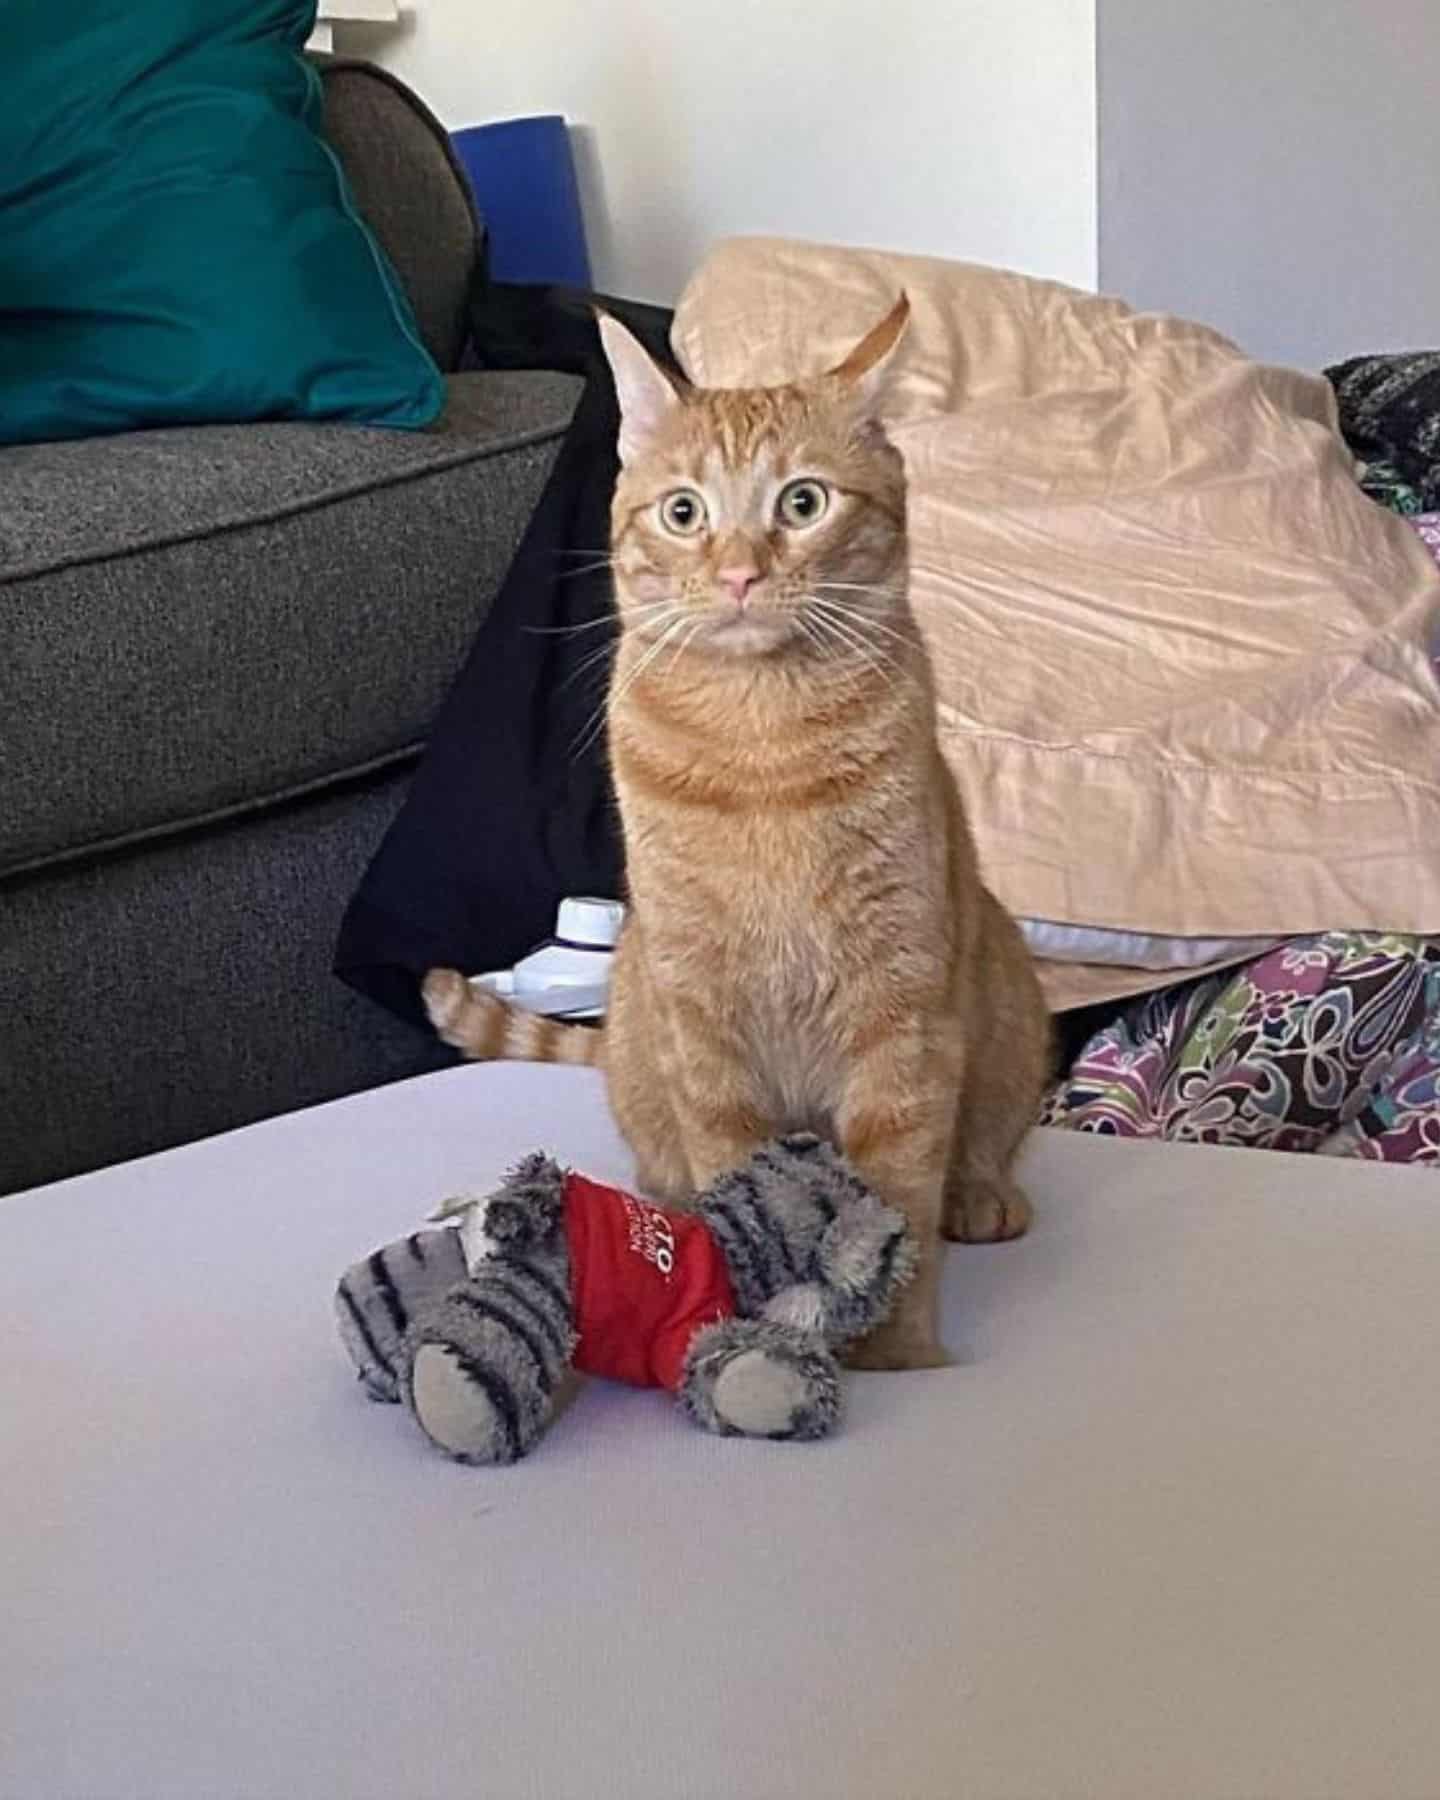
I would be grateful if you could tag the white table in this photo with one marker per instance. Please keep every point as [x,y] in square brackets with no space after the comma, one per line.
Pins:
[1170,1527]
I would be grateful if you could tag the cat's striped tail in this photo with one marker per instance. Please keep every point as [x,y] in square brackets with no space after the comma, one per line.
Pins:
[486,1028]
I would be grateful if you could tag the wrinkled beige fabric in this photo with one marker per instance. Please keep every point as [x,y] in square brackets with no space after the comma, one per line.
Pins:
[1183,662]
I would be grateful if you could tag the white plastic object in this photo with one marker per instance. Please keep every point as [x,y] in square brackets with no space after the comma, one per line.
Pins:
[591,922]
[569,976]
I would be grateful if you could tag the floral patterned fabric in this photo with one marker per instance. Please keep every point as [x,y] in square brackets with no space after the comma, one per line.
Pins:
[1328,1043]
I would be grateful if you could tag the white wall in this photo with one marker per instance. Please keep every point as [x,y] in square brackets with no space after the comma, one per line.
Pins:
[963,128]
[1272,167]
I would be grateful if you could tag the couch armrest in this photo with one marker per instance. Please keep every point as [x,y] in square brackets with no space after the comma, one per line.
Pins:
[412,193]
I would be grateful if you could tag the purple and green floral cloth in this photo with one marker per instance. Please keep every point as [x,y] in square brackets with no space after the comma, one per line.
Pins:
[1328,1043]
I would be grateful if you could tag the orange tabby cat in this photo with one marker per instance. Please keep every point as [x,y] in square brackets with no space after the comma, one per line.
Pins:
[808,942]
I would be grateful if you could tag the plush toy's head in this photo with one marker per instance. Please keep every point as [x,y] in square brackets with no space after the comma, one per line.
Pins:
[525,1213]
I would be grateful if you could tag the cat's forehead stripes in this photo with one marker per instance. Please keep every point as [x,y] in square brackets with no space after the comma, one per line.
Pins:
[740,487]
[746,427]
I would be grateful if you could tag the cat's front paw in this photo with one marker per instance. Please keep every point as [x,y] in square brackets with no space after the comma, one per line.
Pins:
[987,1212]
[665,1184]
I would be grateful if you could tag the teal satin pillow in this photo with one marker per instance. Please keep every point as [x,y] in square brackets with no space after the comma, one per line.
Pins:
[178,244]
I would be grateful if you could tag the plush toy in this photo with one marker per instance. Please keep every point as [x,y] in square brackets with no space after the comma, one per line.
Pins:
[738,1306]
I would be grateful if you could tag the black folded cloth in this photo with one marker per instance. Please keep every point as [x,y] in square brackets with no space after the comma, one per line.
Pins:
[1390,417]
[512,806]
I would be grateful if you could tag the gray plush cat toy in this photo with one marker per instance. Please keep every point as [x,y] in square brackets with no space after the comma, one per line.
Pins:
[738,1305]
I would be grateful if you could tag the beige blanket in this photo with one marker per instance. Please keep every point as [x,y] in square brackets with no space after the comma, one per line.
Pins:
[1184,664]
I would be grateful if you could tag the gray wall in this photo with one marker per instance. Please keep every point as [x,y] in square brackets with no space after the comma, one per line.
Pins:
[1272,167]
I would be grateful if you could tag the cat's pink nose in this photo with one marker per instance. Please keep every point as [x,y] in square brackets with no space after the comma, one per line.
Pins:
[738,580]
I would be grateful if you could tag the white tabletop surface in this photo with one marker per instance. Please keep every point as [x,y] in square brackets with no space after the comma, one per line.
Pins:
[1169,1527]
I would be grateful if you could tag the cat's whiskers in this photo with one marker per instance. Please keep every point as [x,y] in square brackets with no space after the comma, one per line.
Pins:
[640,622]
[605,653]
[854,645]
[587,664]
[882,590]
[609,618]
[940,592]
[870,630]
[596,722]
[810,631]
[853,629]
[877,654]
[603,562]
[568,630]
[823,591]
[685,641]
[821,594]
[650,655]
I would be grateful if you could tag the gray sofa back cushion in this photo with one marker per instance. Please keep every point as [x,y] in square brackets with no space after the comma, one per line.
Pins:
[203,621]
[412,192]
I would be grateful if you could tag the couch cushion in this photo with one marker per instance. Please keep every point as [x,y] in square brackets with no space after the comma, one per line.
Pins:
[181,246]
[412,193]
[237,925]
[199,621]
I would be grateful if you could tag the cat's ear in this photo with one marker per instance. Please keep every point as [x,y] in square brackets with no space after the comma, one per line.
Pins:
[646,393]
[863,371]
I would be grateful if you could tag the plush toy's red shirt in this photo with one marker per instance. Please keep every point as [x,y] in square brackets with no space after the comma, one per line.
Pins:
[643,1282]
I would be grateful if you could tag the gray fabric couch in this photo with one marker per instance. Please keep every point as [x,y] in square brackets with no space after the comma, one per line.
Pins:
[220,652]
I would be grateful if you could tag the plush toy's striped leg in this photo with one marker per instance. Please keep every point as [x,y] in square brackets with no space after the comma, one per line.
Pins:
[485,1366]
[756,1378]
[382,1296]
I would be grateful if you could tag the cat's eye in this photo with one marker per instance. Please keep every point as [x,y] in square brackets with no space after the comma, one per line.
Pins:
[682,512]
[802,502]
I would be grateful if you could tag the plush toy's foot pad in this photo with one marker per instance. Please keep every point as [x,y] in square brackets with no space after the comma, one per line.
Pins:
[482,1371]
[755,1378]
[759,1396]
[454,1410]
